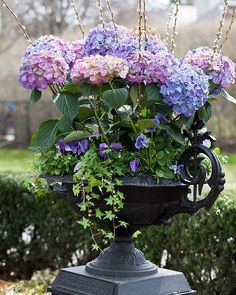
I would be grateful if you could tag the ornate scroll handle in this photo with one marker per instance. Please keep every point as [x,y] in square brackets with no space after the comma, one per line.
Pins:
[201,166]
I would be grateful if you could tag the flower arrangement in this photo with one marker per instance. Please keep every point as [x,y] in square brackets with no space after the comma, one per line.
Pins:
[125,99]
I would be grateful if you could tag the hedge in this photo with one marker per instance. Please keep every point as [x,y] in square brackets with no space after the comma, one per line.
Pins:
[202,246]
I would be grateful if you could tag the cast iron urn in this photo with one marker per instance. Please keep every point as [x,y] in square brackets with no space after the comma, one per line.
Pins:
[121,269]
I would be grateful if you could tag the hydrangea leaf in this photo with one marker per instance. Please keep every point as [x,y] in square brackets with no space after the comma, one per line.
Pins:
[115,98]
[205,112]
[88,89]
[35,95]
[67,103]
[153,92]
[71,88]
[76,135]
[65,124]
[84,113]
[47,133]
[227,96]
[146,123]
[174,132]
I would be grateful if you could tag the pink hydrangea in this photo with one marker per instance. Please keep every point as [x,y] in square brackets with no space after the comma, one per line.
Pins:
[220,69]
[42,69]
[98,69]
[151,68]
[77,49]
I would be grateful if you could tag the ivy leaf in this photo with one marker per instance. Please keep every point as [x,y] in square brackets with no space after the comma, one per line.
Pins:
[109,201]
[115,98]
[152,92]
[47,133]
[227,96]
[35,95]
[99,213]
[85,222]
[67,103]
[109,215]
[76,135]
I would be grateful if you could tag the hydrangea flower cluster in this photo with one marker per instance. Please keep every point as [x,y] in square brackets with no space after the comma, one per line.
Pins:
[77,49]
[220,69]
[151,68]
[186,89]
[43,68]
[106,40]
[98,69]
[49,43]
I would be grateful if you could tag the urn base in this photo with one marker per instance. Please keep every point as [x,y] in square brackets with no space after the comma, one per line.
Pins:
[76,281]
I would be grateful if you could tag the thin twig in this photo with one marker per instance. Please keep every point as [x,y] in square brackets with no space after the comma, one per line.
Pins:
[220,29]
[101,15]
[168,24]
[23,28]
[140,30]
[77,17]
[145,19]
[228,31]
[112,18]
[174,33]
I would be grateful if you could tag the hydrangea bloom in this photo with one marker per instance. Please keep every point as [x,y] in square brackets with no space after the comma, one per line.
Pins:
[98,69]
[221,70]
[186,90]
[77,49]
[42,69]
[151,68]
[103,41]
[49,43]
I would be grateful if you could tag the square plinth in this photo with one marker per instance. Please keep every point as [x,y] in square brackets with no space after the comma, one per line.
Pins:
[76,281]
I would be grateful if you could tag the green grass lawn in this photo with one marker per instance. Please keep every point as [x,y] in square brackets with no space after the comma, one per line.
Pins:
[21,161]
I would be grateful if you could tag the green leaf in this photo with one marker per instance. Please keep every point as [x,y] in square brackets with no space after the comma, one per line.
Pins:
[146,123]
[205,112]
[35,95]
[76,135]
[67,103]
[109,215]
[34,141]
[227,96]
[88,89]
[47,133]
[84,113]
[115,98]
[174,131]
[85,222]
[65,124]
[188,121]
[99,213]
[134,94]
[152,92]
[136,234]
[71,88]
[163,108]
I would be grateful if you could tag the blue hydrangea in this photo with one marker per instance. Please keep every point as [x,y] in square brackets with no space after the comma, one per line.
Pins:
[103,41]
[186,89]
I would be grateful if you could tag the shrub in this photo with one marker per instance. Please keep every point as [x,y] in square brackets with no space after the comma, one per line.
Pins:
[202,246]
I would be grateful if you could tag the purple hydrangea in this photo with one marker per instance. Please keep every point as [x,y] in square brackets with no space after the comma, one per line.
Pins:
[141,142]
[42,69]
[77,50]
[220,69]
[76,147]
[186,90]
[151,68]
[103,41]
[48,43]
[134,165]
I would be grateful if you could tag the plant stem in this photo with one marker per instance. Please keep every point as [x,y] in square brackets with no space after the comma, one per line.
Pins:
[93,105]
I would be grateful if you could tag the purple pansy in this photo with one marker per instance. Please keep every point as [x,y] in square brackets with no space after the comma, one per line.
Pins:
[77,147]
[134,165]
[177,168]
[141,142]
[116,146]
[103,147]
[159,118]
[77,167]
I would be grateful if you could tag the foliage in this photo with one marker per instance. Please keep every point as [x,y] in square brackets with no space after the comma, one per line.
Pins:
[37,232]
[201,246]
